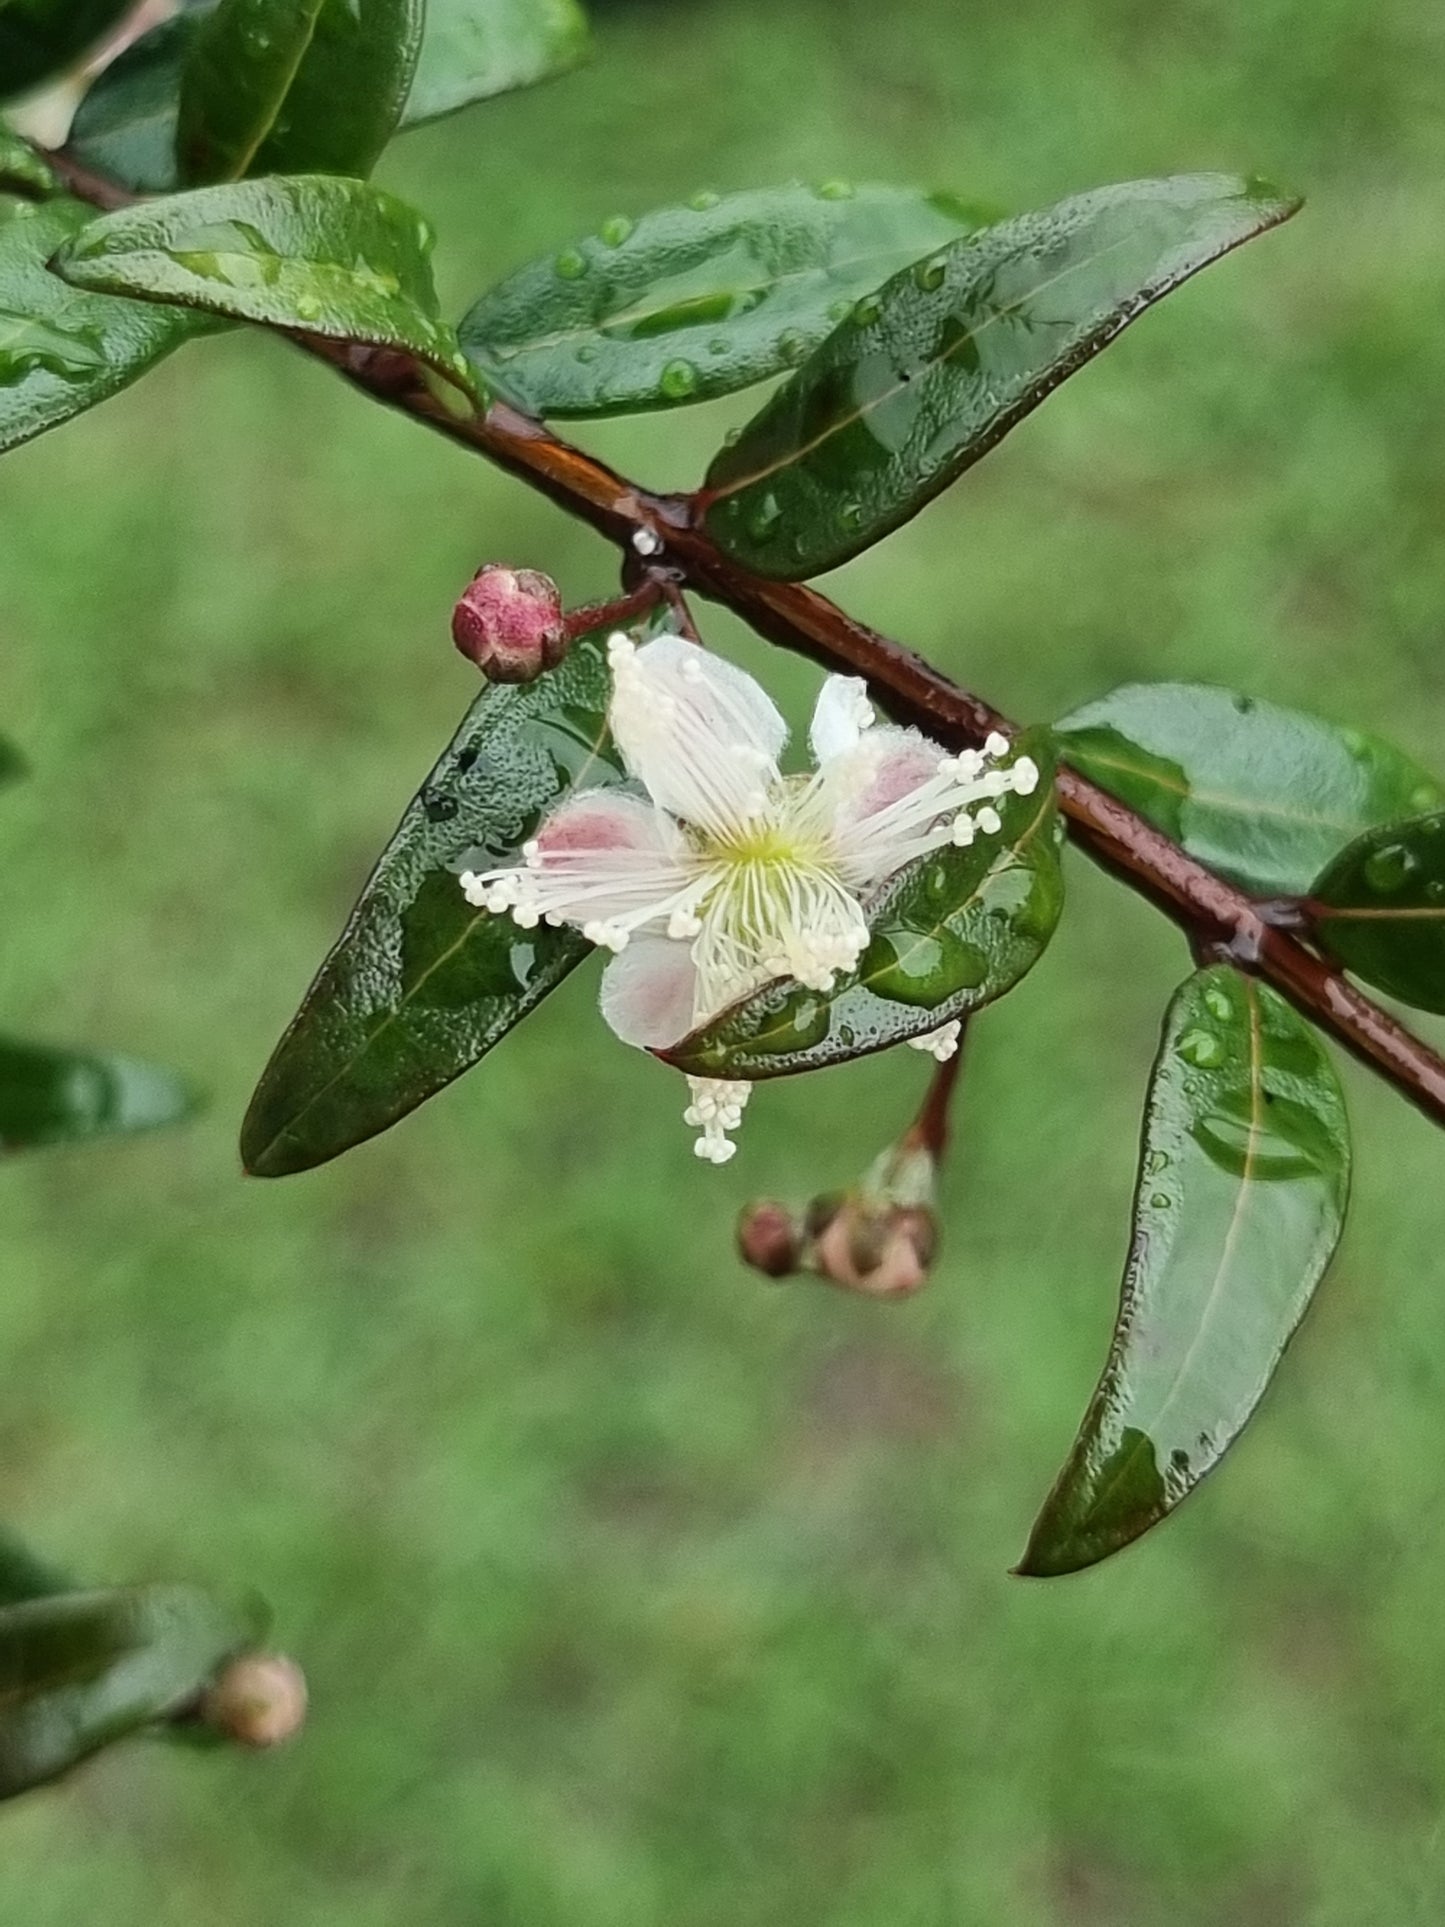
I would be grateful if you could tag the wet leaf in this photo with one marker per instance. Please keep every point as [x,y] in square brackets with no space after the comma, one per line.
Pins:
[420,984]
[23,1576]
[316,253]
[931,372]
[950,933]
[294,86]
[1263,795]
[1243,1181]
[22,169]
[51,1096]
[61,351]
[692,302]
[39,38]
[1380,909]
[473,49]
[81,1670]
[126,125]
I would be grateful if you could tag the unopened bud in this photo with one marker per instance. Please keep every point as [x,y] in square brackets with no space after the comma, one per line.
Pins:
[884,1253]
[510,623]
[256,1700]
[768,1239]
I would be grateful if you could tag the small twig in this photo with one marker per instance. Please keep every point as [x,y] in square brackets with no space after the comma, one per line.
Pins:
[617,613]
[1209,910]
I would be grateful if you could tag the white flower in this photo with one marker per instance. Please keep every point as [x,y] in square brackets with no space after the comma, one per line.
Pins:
[729,873]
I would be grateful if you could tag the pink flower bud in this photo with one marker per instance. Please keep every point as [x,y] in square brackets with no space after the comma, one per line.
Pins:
[768,1239]
[256,1700]
[885,1254]
[510,623]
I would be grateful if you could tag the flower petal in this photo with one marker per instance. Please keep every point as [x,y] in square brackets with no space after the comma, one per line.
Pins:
[840,716]
[698,731]
[648,992]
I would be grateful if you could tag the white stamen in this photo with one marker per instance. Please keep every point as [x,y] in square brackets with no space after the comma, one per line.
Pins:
[646,542]
[941,1043]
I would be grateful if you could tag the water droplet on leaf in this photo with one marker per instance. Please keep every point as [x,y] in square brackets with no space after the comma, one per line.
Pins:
[616,230]
[929,274]
[570,265]
[835,190]
[678,380]
[1390,868]
[1201,1047]
[703,200]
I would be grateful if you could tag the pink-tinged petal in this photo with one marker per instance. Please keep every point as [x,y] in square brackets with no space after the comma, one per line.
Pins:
[607,823]
[648,992]
[840,716]
[698,731]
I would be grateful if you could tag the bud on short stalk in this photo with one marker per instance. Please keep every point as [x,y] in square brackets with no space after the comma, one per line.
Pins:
[257,1699]
[770,1239]
[878,1239]
[510,623]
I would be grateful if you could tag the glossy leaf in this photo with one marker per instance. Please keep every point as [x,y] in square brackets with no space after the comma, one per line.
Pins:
[317,253]
[421,985]
[950,933]
[295,86]
[126,125]
[1243,1181]
[1380,908]
[931,372]
[22,169]
[472,49]
[50,1096]
[39,38]
[61,351]
[691,302]
[80,1670]
[1261,794]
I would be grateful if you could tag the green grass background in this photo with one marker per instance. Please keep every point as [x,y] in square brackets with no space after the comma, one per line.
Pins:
[634,1591]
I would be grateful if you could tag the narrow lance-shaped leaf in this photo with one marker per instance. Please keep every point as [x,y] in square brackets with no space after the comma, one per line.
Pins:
[1243,1181]
[22,170]
[295,86]
[692,302]
[931,372]
[39,38]
[62,351]
[1264,795]
[50,1096]
[81,1670]
[950,933]
[316,253]
[421,984]
[1380,908]
[472,49]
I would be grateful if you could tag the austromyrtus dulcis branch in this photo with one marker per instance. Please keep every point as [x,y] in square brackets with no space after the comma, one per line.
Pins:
[1216,917]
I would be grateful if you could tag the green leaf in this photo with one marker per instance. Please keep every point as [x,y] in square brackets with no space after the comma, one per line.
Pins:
[950,933]
[1263,795]
[295,86]
[50,1096]
[472,49]
[23,1576]
[421,985]
[22,169]
[125,127]
[928,374]
[81,1670]
[12,764]
[691,302]
[1243,1181]
[1380,909]
[39,38]
[61,352]
[317,253]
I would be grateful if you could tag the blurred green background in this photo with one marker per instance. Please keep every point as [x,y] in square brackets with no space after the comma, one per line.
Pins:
[636,1592]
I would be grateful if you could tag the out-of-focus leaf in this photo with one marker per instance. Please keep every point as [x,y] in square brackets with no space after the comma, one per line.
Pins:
[62,351]
[39,38]
[1263,795]
[80,1670]
[472,49]
[23,1576]
[317,253]
[1243,1181]
[420,984]
[950,933]
[22,170]
[933,370]
[1380,908]
[295,86]
[12,764]
[692,302]
[50,1096]
[126,125]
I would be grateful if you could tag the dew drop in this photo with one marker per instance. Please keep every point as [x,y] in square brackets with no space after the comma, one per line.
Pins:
[718,345]
[792,346]
[1160,1200]
[851,515]
[570,265]
[308,308]
[867,311]
[587,352]
[1389,869]
[1426,797]
[1218,1003]
[929,274]
[678,380]
[840,310]
[764,518]
[1201,1048]
[835,190]
[616,230]
[1356,743]
[1435,892]
[1155,1163]
[703,200]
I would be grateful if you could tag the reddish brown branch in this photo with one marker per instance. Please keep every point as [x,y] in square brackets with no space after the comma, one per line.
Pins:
[1212,913]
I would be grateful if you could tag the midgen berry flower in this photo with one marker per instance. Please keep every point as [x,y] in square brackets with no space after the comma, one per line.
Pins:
[728,873]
